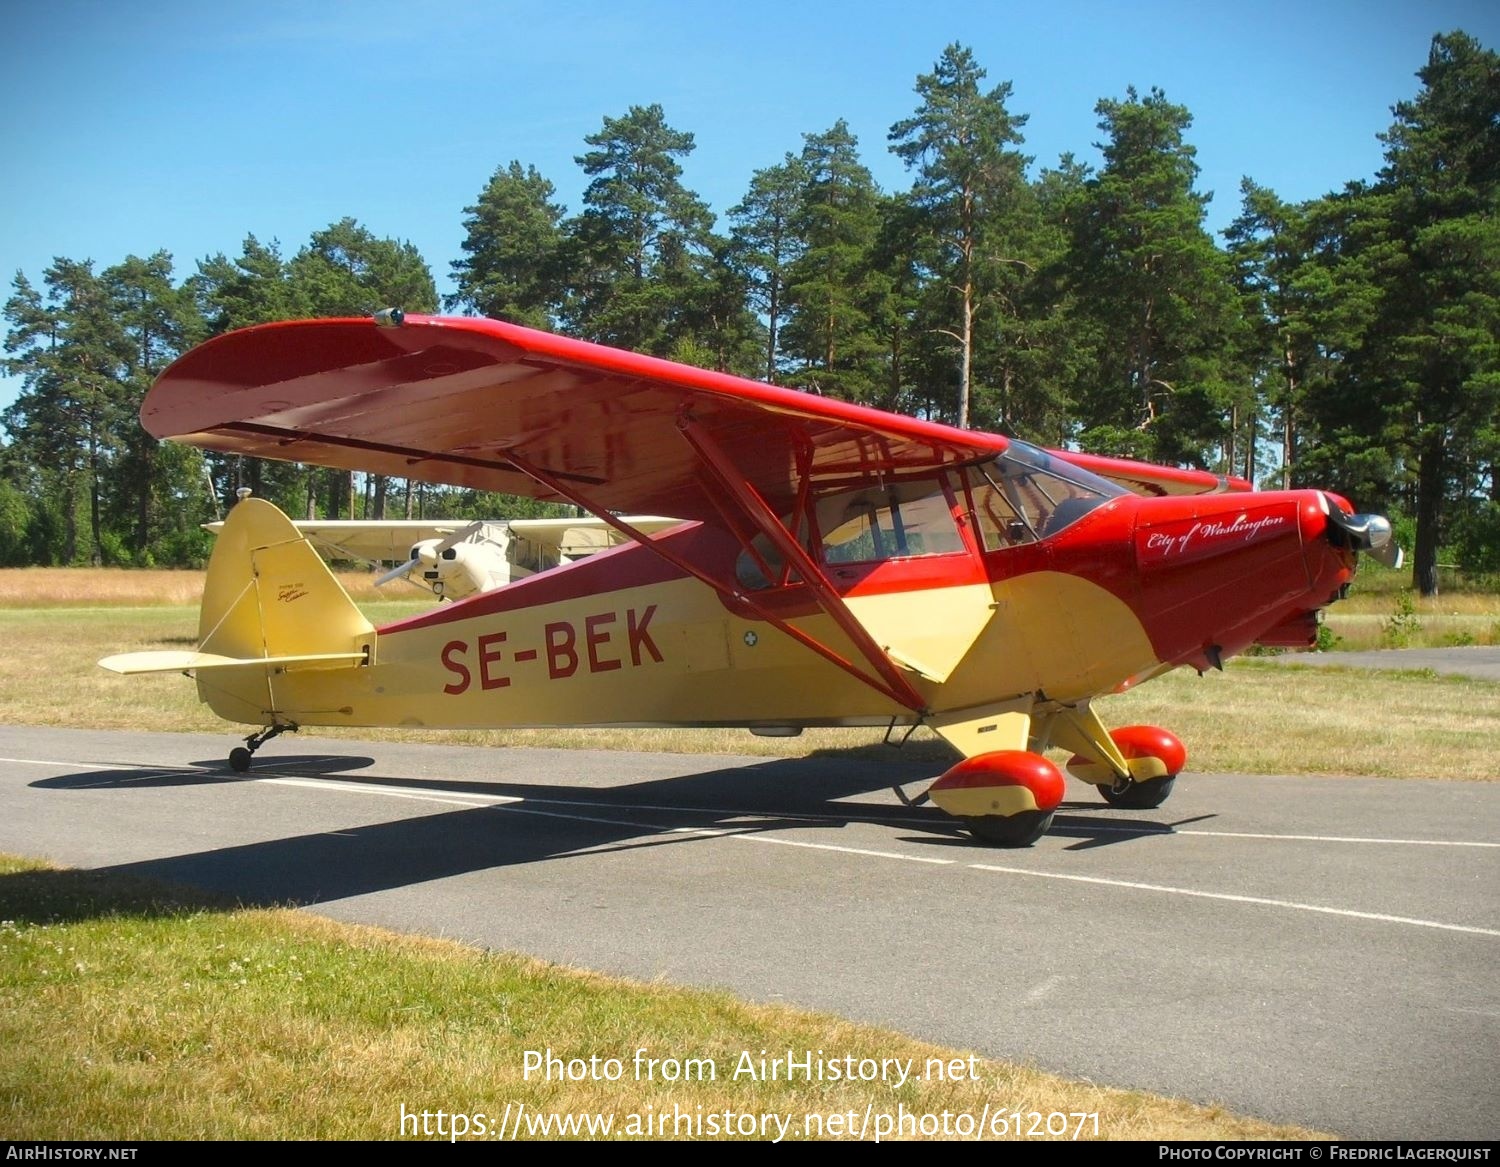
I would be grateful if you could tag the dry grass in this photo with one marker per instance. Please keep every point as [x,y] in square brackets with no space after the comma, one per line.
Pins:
[1357,632]
[78,587]
[132,1011]
[1261,717]
[118,587]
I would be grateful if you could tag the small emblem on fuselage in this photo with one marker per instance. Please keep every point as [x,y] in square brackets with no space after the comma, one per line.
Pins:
[751,639]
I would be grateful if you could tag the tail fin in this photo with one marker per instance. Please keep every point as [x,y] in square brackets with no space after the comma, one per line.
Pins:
[272,615]
[269,594]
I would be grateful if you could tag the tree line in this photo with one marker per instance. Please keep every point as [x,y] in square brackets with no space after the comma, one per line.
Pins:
[1351,341]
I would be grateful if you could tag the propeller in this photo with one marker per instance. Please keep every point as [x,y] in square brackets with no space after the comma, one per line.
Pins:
[1370,534]
[423,555]
[398,572]
[453,566]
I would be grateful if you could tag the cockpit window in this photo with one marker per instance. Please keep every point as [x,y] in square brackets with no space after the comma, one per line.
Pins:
[1027,494]
[1024,495]
[866,525]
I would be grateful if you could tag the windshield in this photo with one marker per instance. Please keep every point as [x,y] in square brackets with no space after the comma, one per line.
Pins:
[1027,494]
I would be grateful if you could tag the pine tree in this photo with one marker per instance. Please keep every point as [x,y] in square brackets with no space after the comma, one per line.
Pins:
[834,288]
[1414,268]
[68,350]
[1158,297]
[157,498]
[346,271]
[512,239]
[640,251]
[968,184]
[765,244]
[254,288]
[1267,246]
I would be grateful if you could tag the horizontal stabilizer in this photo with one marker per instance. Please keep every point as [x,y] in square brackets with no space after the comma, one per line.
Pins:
[179,662]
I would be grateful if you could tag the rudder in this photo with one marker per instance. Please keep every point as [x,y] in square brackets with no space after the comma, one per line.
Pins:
[268,593]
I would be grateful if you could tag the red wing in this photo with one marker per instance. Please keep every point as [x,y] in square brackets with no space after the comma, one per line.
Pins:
[1151,480]
[449,399]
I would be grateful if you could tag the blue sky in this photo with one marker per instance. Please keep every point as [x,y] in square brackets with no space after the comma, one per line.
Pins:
[136,126]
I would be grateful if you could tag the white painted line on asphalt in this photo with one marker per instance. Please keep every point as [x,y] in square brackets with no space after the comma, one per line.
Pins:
[750,835]
[474,800]
[272,779]
[1237,899]
[751,838]
[1338,839]
[65,762]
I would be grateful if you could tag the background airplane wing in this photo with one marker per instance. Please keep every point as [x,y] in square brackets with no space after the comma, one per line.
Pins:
[377,540]
[445,399]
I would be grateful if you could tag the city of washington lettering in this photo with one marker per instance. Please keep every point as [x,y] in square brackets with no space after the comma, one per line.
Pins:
[595,644]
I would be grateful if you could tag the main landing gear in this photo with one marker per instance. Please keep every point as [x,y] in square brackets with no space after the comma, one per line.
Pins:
[1130,794]
[1007,798]
[240,756]
[1154,757]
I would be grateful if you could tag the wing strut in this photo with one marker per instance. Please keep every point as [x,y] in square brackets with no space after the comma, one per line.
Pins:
[772,527]
[888,682]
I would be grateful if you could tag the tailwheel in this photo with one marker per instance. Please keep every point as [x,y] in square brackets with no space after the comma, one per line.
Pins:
[1016,830]
[1133,795]
[241,756]
[1005,798]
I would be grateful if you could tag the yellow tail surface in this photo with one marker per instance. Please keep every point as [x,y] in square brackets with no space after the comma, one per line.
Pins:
[271,602]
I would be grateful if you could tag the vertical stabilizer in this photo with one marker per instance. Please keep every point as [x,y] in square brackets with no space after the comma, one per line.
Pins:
[269,594]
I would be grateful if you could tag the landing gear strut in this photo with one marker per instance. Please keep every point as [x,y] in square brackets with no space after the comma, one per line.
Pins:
[1134,794]
[239,757]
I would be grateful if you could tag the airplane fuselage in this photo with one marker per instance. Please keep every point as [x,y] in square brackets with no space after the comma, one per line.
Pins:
[1133,588]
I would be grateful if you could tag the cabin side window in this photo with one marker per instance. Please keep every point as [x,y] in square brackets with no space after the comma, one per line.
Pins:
[898,521]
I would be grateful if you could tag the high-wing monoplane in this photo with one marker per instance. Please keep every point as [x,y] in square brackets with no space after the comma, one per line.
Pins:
[833,565]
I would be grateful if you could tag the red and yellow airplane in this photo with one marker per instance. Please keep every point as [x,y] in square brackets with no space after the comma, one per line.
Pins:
[834,565]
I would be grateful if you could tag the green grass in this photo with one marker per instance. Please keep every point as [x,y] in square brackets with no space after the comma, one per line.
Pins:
[1263,717]
[129,1010]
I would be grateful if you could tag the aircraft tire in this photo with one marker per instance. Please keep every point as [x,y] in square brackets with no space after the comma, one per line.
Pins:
[1015,830]
[1147,795]
[239,759]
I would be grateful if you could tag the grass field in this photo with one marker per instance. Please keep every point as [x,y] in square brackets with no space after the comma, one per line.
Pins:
[132,1011]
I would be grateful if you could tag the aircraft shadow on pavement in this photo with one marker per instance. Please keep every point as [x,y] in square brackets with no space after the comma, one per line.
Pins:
[551,822]
[1105,828]
[192,774]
